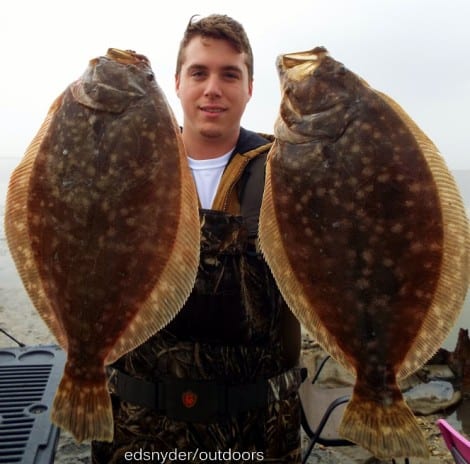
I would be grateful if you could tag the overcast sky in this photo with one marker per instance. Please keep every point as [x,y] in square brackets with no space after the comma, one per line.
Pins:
[416,51]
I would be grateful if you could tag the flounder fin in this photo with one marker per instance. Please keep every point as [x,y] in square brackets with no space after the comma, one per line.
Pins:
[271,244]
[17,228]
[386,431]
[455,268]
[83,409]
[178,277]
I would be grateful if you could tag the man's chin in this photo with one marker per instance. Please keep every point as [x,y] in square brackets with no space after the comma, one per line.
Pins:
[211,132]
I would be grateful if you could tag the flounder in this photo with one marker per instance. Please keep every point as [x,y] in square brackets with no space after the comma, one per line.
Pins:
[102,222]
[366,234]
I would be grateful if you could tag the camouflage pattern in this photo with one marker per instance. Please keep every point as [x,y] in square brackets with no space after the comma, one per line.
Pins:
[229,330]
[274,431]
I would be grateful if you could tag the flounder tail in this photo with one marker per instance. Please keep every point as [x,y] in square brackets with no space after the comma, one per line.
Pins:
[387,431]
[84,409]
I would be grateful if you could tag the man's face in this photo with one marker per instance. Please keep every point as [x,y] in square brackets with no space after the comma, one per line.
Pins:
[213,87]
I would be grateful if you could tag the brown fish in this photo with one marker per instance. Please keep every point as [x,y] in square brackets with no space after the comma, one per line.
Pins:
[102,222]
[365,231]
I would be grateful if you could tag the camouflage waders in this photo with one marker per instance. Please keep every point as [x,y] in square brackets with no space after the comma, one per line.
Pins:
[223,352]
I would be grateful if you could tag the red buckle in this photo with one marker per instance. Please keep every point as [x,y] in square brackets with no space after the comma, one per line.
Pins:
[189,399]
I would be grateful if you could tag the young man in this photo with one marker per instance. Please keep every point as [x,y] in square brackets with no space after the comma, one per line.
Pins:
[220,381]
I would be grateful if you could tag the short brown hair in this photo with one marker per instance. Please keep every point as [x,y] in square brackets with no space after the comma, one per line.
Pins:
[220,27]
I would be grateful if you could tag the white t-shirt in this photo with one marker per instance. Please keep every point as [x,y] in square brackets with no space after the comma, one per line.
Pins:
[207,174]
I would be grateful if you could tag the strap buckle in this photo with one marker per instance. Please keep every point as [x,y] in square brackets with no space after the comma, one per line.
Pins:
[190,400]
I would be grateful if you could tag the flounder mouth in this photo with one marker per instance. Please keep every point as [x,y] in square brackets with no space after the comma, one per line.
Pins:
[301,64]
[125,56]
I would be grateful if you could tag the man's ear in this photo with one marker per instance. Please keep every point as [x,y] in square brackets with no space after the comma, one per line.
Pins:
[177,85]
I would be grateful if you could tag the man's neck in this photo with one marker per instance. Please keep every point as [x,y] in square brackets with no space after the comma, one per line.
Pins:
[200,147]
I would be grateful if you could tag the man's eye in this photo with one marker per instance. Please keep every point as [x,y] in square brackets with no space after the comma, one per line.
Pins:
[231,75]
[197,74]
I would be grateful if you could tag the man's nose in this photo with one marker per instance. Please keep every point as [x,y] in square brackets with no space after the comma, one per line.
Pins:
[213,88]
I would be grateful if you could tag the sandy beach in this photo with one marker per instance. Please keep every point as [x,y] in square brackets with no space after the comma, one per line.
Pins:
[19,318]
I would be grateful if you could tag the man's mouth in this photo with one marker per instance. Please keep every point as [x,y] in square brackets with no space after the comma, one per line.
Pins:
[212,109]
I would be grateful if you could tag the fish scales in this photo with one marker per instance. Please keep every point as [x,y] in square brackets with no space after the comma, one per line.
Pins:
[365,232]
[102,221]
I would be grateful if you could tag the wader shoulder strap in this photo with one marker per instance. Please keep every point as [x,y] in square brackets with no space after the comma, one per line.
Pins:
[226,198]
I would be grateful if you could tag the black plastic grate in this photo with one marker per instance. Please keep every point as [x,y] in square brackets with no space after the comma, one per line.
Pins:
[28,380]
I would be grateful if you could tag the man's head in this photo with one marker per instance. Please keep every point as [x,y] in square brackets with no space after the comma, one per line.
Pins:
[219,27]
[214,83]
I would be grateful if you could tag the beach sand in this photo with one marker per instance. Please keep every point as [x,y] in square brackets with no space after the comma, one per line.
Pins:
[19,318]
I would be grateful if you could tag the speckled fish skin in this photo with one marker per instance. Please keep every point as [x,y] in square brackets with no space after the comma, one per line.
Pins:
[102,222]
[366,234]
